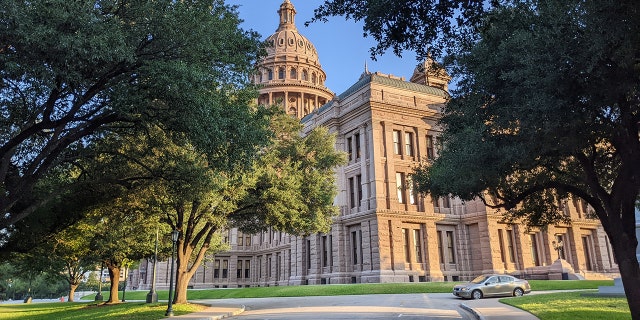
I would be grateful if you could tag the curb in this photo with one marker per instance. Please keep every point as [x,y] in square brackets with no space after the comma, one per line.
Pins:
[228,314]
[210,314]
[472,311]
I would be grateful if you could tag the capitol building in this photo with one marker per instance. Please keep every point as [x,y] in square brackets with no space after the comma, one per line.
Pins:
[385,232]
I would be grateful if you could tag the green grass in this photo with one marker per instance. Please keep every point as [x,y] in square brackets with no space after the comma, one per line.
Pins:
[572,305]
[74,310]
[556,306]
[352,289]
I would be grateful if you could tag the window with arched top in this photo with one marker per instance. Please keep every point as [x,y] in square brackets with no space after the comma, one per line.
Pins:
[293,111]
[260,77]
[269,74]
[305,75]
[281,73]
[294,73]
[313,78]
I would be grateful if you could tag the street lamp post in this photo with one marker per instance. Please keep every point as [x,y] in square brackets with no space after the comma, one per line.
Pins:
[99,295]
[174,238]
[152,296]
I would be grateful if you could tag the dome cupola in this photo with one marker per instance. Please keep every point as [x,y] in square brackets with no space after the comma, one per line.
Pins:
[291,73]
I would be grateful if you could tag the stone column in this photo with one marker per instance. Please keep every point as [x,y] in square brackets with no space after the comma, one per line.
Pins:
[434,269]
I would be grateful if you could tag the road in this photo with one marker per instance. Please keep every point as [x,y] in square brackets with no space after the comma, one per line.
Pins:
[440,306]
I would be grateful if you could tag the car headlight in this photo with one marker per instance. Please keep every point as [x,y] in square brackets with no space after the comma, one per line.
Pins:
[464,289]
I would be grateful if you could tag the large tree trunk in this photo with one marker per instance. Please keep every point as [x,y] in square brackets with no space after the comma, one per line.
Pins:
[114,276]
[620,226]
[630,274]
[72,291]
[182,284]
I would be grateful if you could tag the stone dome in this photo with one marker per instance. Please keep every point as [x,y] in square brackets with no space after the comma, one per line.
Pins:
[291,74]
[287,39]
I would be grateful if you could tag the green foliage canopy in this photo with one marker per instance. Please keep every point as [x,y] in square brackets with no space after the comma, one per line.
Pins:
[73,71]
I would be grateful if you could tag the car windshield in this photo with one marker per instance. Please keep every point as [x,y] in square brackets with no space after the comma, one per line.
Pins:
[479,279]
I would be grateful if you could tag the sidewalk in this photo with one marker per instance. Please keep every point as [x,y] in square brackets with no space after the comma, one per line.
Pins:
[212,312]
[492,309]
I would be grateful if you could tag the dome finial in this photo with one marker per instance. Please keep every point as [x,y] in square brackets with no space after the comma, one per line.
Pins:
[287,14]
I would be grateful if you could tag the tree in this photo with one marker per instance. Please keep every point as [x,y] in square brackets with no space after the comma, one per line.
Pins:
[66,255]
[73,71]
[548,107]
[290,187]
[124,231]
[428,27]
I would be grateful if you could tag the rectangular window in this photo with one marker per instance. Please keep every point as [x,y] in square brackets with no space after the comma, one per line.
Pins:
[225,269]
[396,142]
[400,186]
[534,250]
[586,240]
[330,250]
[216,269]
[240,239]
[247,266]
[446,202]
[440,247]
[359,186]
[451,247]
[501,240]
[356,139]
[308,254]
[412,193]
[417,245]
[405,245]
[349,149]
[239,270]
[247,240]
[269,273]
[352,196]
[408,143]
[512,257]
[325,257]
[430,150]
[354,246]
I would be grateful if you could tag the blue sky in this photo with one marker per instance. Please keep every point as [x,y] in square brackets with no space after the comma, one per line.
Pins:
[340,43]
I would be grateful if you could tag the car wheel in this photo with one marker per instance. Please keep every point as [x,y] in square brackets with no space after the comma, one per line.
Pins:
[476,294]
[517,292]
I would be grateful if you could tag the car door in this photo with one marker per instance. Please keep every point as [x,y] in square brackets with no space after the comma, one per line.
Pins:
[505,287]
[491,286]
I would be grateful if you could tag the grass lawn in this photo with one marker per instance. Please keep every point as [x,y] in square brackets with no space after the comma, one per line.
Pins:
[75,310]
[572,305]
[557,306]
[351,289]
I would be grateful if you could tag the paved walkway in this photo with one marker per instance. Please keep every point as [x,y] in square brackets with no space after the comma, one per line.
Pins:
[218,311]
[484,309]
[492,309]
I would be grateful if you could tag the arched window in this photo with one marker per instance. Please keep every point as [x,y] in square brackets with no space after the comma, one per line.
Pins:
[313,78]
[260,76]
[305,75]
[270,74]
[293,112]
[294,74]
[281,73]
